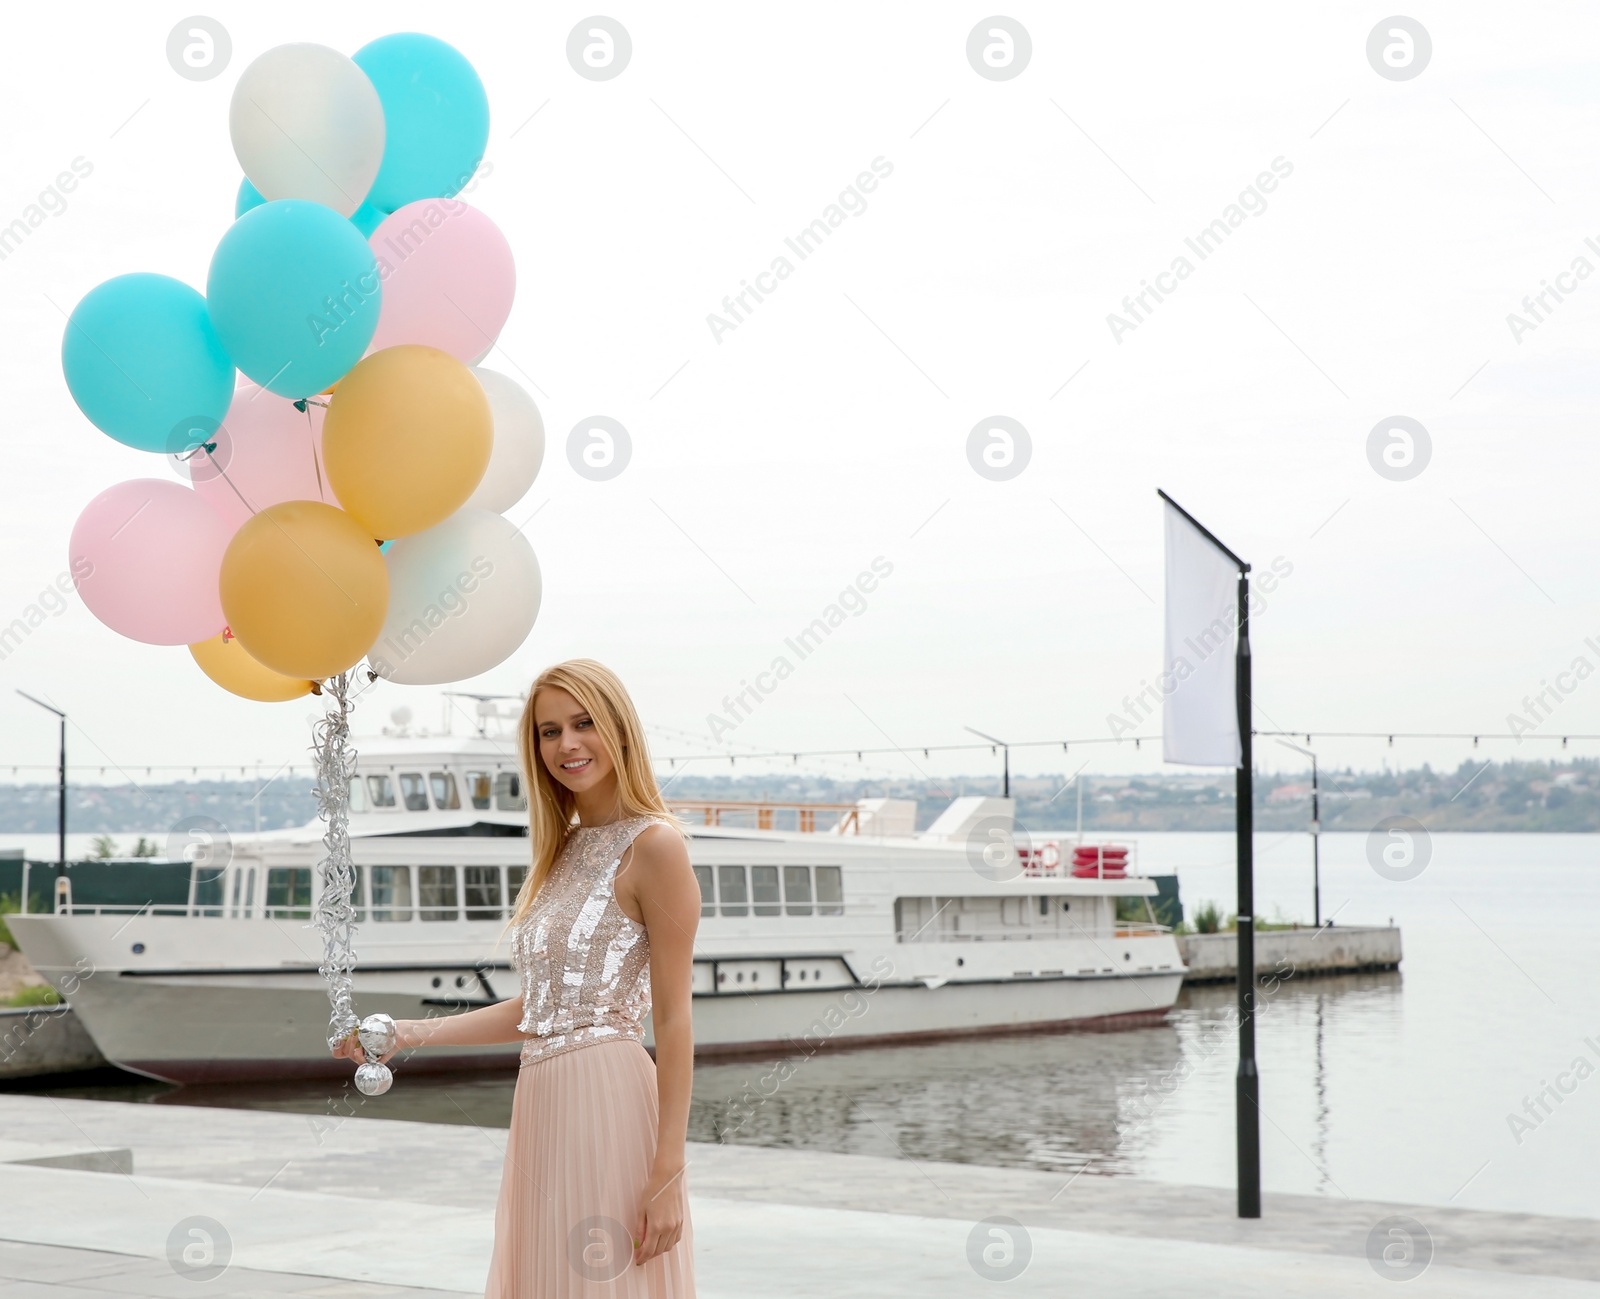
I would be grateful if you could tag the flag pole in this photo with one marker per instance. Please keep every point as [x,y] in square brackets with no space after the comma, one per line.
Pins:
[1247,1082]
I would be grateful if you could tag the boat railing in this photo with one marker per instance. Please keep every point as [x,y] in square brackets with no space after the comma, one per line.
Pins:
[1122,929]
[761,814]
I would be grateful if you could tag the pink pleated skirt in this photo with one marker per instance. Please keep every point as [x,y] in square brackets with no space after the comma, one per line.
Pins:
[583,1137]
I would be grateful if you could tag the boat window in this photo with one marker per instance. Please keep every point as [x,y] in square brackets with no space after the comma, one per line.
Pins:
[479,786]
[250,892]
[289,893]
[797,890]
[238,878]
[358,895]
[413,791]
[508,795]
[708,891]
[445,797]
[382,790]
[391,893]
[436,893]
[731,888]
[830,891]
[483,892]
[514,877]
[358,795]
[764,890]
[208,889]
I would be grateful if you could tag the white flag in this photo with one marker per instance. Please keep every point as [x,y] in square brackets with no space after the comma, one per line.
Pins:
[1200,722]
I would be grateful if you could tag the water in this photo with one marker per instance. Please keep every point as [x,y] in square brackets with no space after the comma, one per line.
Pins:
[1390,1086]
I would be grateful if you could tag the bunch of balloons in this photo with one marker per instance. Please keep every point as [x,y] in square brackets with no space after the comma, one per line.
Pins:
[347,462]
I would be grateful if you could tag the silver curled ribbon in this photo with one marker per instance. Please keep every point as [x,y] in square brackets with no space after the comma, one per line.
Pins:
[334,915]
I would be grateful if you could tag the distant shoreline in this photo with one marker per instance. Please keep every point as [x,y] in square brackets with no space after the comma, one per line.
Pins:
[1490,798]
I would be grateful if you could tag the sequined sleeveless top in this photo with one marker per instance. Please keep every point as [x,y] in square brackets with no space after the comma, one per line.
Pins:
[584,963]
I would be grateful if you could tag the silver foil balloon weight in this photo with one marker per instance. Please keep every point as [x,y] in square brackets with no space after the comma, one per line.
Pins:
[378,1038]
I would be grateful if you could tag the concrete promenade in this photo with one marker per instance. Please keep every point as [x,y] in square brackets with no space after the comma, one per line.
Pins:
[99,1198]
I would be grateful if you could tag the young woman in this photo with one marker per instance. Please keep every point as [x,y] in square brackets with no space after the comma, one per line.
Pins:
[592,1199]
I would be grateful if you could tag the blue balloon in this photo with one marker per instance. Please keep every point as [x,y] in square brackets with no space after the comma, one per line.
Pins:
[435,113]
[366,217]
[294,294]
[249,197]
[144,363]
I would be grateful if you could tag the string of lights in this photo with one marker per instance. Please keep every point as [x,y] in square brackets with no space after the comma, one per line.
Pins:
[926,750]
[222,770]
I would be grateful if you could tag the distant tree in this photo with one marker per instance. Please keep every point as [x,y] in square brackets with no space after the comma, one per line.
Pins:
[144,848]
[105,847]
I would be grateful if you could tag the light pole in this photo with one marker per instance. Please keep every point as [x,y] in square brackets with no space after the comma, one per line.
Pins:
[1005,790]
[1316,837]
[61,797]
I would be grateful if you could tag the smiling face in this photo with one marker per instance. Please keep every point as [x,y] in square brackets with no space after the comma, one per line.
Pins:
[569,745]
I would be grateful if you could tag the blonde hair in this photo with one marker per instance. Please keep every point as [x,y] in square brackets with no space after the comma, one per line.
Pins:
[551,807]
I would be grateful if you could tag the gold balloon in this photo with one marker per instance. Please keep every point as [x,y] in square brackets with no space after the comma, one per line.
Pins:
[305,589]
[406,439]
[229,664]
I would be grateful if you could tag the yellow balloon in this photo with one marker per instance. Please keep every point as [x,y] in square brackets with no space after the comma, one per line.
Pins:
[305,589]
[406,439]
[229,664]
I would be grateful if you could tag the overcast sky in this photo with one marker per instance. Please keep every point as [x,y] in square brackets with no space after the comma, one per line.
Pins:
[774,462]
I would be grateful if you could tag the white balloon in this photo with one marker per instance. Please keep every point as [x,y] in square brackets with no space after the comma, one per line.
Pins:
[518,444]
[307,123]
[463,597]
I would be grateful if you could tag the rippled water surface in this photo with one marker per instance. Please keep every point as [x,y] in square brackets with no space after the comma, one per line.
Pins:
[1396,1086]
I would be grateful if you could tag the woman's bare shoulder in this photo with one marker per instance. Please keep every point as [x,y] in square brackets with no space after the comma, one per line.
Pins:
[661,843]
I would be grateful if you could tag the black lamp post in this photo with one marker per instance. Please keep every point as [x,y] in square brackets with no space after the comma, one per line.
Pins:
[1005,749]
[1316,837]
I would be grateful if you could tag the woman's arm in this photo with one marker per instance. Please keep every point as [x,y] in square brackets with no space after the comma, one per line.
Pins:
[481,1027]
[657,886]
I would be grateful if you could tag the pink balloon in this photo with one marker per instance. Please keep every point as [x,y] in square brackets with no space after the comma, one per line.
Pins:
[145,557]
[448,278]
[266,452]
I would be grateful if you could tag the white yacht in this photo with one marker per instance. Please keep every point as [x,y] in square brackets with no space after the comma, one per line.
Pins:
[822,925]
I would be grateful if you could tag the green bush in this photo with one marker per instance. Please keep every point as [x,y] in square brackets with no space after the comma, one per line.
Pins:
[42,995]
[8,906]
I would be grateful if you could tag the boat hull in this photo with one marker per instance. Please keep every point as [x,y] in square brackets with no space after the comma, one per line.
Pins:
[216,1023]
[210,1035]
